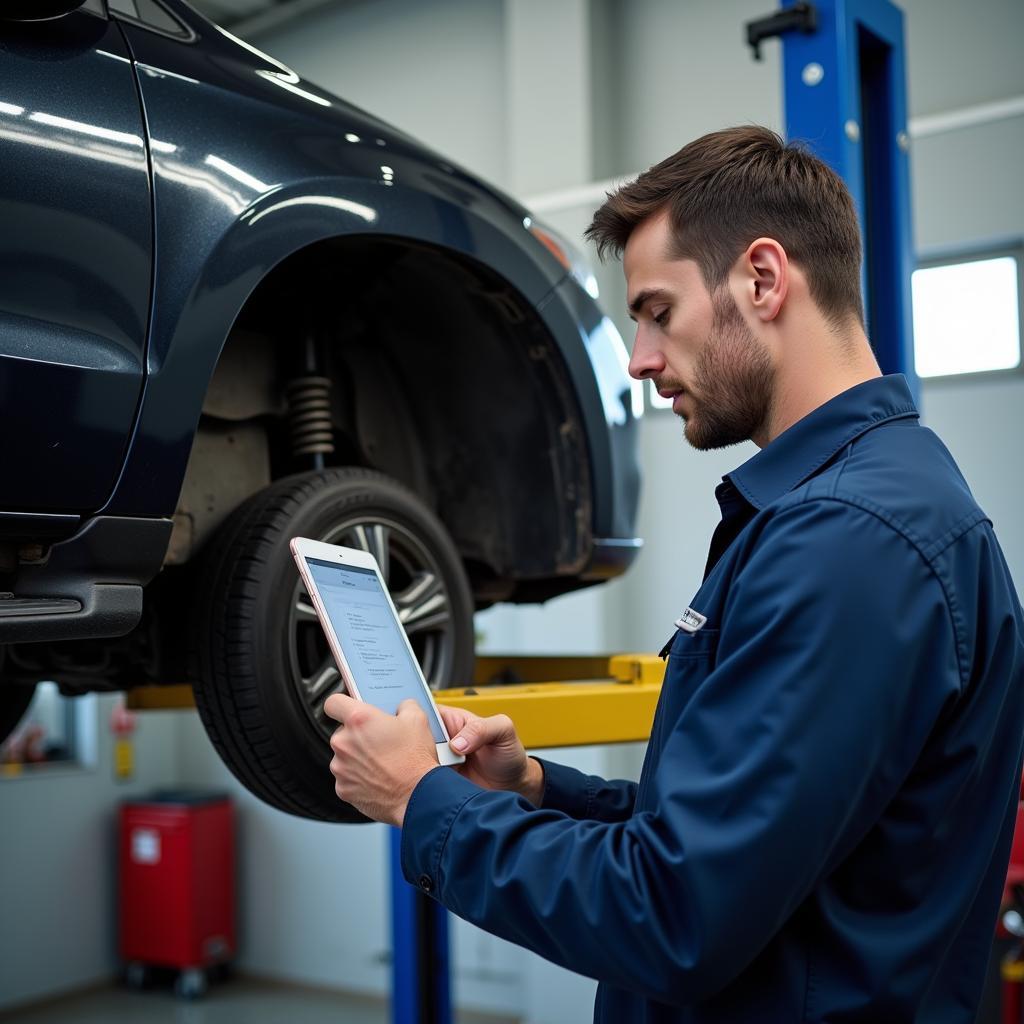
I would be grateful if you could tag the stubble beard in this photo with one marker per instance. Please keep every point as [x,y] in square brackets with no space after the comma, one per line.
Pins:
[733,383]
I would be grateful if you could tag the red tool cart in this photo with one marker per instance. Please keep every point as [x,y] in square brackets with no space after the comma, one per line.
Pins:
[177,886]
[1011,923]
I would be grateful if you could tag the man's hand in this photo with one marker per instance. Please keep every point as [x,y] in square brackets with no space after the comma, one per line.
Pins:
[495,758]
[379,758]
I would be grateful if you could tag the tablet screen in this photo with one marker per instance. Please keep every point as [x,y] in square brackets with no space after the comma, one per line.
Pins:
[371,638]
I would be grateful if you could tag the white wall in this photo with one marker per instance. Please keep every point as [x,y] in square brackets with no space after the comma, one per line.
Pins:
[967,193]
[435,70]
[962,54]
[686,70]
[58,858]
[966,189]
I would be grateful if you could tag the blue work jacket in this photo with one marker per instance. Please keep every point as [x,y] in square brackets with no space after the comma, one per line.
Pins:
[823,821]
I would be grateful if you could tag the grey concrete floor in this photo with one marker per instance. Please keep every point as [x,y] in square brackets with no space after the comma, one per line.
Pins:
[233,1001]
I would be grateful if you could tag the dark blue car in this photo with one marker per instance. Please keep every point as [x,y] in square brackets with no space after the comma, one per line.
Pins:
[235,309]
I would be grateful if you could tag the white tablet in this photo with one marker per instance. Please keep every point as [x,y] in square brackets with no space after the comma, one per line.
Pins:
[364,633]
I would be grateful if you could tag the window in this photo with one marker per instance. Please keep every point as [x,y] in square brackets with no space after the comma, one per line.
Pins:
[967,315]
[151,15]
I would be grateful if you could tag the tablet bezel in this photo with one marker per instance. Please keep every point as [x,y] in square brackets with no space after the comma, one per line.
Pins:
[303,548]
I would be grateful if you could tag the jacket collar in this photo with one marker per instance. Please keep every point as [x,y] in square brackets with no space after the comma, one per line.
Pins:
[799,452]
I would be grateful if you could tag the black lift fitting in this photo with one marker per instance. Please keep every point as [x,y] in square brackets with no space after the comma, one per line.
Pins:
[802,17]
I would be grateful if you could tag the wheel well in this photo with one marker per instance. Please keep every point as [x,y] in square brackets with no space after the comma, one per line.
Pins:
[441,375]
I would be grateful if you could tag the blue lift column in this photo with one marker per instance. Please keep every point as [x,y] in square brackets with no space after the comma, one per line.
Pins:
[420,972]
[844,79]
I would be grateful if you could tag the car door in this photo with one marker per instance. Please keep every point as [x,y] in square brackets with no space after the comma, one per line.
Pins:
[75,259]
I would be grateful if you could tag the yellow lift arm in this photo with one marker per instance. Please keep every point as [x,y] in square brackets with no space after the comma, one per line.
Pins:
[554,702]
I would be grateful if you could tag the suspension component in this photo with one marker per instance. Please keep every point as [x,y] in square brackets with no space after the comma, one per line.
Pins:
[309,415]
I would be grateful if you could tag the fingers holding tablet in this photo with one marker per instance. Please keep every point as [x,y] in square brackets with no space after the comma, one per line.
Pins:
[379,758]
[495,757]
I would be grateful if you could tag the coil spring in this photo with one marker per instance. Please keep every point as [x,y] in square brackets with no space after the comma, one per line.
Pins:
[309,415]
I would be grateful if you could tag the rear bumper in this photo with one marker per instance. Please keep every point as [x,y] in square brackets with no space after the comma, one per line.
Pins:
[612,557]
[609,557]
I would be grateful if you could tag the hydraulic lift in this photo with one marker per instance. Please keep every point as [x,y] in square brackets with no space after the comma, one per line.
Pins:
[845,97]
[555,702]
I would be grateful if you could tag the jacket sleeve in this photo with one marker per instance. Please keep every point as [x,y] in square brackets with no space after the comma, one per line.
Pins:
[836,655]
[584,796]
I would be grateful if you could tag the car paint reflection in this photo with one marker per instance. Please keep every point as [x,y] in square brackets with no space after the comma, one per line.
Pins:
[358,209]
[611,365]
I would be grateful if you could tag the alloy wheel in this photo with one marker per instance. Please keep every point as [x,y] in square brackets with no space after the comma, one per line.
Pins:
[417,588]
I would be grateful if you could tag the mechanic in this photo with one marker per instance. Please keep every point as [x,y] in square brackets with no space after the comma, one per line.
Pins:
[823,821]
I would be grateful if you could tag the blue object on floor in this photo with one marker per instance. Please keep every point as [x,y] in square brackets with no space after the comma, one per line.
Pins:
[420,992]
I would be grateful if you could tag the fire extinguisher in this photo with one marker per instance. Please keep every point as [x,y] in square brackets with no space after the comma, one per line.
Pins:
[122,725]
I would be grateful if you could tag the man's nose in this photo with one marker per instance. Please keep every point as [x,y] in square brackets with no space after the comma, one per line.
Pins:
[646,360]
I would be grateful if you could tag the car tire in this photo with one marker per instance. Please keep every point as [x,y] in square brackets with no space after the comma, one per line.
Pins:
[260,666]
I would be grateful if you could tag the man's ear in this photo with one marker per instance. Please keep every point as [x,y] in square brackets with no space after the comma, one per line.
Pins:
[764,277]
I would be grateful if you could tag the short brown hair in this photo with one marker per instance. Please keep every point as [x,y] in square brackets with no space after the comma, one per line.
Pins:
[727,188]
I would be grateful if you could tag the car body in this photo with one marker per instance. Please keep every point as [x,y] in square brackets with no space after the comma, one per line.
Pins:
[191,229]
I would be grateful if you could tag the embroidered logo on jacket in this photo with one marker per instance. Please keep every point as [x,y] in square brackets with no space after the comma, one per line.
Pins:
[691,621]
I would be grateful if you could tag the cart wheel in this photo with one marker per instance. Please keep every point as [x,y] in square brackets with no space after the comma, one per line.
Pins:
[135,975]
[191,983]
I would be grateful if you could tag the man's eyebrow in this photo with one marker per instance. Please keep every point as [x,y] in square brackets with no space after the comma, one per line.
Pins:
[645,296]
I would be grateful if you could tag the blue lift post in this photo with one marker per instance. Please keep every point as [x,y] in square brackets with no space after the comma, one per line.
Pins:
[420,975]
[844,81]
[846,98]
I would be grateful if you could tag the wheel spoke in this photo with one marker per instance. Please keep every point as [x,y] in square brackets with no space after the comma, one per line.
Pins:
[359,537]
[322,682]
[378,539]
[428,661]
[423,605]
[374,539]
[304,610]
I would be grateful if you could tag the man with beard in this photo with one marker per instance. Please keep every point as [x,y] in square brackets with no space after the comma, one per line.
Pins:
[822,824]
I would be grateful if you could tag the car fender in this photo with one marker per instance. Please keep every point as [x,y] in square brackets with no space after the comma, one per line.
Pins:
[193,317]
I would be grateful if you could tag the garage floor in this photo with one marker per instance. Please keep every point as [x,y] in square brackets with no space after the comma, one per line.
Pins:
[228,1002]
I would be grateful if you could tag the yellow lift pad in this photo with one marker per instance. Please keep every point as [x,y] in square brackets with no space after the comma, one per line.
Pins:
[554,701]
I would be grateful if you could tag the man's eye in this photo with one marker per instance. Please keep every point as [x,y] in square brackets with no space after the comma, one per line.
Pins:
[662,318]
